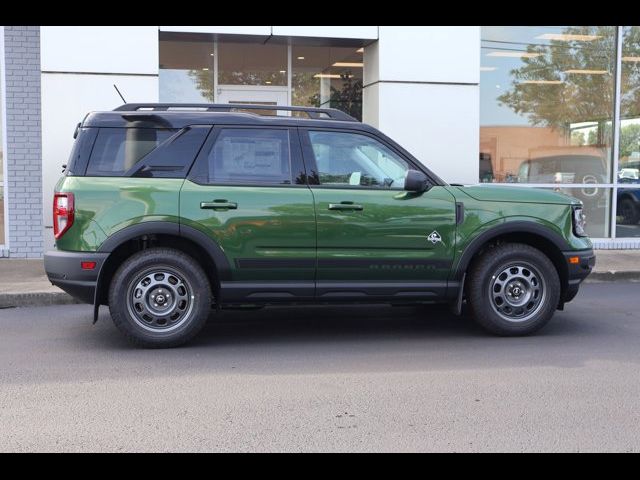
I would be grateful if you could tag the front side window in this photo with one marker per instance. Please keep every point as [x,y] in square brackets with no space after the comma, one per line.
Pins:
[116,150]
[355,160]
[250,156]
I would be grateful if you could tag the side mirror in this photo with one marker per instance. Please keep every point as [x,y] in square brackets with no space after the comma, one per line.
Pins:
[416,181]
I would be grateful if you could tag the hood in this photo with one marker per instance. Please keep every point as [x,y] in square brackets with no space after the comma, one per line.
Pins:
[499,193]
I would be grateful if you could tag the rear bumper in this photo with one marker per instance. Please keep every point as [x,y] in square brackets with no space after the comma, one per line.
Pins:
[64,270]
[577,271]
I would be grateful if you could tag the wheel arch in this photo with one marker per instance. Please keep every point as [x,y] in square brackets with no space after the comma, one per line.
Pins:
[544,239]
[135,238]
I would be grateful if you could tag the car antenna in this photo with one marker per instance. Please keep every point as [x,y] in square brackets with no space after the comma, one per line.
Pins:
[114,86]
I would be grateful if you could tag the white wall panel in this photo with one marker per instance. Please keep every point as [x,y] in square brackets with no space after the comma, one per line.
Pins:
[370,105]
[429,54]
[436,123]
[99,49]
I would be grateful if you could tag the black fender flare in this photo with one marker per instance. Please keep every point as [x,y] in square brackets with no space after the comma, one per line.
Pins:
[171,228]
[209,245]
[516,226]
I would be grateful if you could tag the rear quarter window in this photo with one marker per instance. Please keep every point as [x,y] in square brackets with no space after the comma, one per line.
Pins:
[117,150]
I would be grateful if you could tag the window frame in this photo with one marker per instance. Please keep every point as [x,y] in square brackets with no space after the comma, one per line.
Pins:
[200,166]
[310,159]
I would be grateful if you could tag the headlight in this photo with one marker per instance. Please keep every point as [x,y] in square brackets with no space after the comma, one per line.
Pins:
[579,222]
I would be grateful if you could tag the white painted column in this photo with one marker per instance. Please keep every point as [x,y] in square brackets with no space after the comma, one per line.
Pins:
[422,89]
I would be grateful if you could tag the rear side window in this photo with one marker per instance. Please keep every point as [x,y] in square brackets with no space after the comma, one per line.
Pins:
[250,156]
[117,150]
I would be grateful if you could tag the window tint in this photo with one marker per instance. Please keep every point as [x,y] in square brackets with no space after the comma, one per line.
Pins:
[116,150]
[245,155]
[351,159]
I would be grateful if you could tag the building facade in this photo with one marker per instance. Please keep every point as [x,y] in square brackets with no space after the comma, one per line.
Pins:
[550,107]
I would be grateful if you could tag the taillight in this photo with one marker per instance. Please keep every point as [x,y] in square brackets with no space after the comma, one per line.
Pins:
[63,209]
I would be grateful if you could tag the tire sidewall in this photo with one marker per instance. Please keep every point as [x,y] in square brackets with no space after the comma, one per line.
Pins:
[493,264]
[158,259]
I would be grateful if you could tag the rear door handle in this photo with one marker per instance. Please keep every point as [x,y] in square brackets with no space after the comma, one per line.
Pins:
[345,206]
[219,205]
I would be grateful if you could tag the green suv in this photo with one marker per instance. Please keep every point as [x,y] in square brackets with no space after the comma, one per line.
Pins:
[166,211]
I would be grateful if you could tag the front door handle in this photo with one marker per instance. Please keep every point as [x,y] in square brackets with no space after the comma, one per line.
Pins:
[345,206]
[219,204]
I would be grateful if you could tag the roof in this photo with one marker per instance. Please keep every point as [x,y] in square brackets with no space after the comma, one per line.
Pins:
[152,115]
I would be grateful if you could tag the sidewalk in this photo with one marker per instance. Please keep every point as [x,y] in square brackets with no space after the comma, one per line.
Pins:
[24,283]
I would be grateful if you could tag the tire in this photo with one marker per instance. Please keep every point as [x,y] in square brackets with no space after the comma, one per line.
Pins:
[179,283]
[513,289]
[630,211]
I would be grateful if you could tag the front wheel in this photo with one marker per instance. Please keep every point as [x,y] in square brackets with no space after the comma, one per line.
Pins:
[513,289]
[160,297]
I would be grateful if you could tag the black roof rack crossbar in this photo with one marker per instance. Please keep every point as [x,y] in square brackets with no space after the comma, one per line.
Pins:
[316,113]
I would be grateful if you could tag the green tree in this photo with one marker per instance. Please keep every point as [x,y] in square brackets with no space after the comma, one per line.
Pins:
[577,138]
[348,98]
[579,97]
[204,82]
[629,139]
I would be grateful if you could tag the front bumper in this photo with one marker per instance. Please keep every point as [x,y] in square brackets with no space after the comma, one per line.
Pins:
[64,270]
[577,270]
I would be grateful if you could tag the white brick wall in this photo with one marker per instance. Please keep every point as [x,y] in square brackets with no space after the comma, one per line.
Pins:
[24,149]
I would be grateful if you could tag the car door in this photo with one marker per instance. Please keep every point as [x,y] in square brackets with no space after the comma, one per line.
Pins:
[247,191]
[374,238]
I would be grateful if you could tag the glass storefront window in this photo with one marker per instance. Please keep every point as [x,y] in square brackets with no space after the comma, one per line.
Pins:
[628,211]
[252,64]
[186,68]
[328,77]
[597,207]
[546,105]
[257,73]
[628,174]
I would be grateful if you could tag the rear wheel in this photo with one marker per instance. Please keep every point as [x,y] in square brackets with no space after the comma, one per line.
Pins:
[513,289]
[160,297]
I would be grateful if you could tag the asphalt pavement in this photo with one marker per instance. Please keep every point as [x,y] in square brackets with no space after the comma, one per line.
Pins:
[350,378]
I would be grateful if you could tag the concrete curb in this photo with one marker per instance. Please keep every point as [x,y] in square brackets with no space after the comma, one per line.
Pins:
[35,299]
[38,299]
[613,276]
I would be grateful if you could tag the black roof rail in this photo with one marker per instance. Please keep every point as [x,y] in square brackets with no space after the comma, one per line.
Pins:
[316,113]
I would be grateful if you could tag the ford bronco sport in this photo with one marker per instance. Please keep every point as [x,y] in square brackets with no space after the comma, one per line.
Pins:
[167,210]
